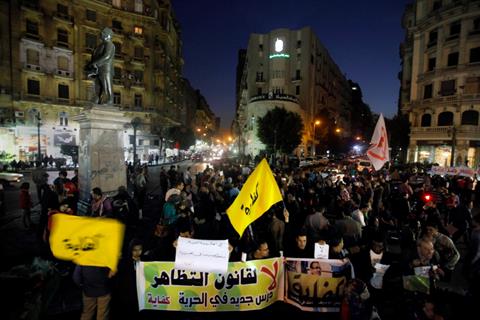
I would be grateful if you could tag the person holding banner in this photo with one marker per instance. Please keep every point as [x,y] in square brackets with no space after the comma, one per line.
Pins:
[95,285]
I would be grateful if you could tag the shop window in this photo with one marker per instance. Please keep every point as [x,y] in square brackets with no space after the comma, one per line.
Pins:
[470,117]
[445,118]
[426,120]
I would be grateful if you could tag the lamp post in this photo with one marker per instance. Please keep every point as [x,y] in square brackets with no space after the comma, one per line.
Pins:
[39,154]
[314,144]
[454,143]
[136,122]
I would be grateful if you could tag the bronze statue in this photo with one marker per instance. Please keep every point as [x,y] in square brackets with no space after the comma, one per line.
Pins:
[101,70]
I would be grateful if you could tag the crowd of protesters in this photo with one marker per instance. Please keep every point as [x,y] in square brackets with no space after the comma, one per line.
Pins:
[404,219]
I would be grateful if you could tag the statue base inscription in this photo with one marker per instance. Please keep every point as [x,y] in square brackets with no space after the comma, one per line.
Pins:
[101,158]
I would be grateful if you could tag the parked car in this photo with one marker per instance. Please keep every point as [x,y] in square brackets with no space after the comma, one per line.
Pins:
[8,177]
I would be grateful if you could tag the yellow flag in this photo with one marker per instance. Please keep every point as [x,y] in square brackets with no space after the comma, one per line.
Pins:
[87,241]
[258,194]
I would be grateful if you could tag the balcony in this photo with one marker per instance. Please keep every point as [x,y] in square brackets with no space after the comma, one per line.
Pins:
[274,96]
[296,79]
[463,132]
[33,68]
[64,74]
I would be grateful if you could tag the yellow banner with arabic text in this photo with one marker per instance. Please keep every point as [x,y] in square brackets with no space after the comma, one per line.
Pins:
[87,241]
[258,194]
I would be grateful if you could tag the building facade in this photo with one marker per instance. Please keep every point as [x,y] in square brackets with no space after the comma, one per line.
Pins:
[290,69]
[42,77]
[440,81]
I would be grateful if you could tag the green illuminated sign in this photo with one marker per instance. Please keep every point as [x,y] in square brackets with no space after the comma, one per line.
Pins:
[279,55]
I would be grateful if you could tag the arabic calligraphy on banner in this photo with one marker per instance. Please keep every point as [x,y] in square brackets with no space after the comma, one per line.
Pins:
[316,285]
[202,255]
[251,285]
[454,171]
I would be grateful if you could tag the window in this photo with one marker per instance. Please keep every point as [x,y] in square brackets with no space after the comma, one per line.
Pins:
[117,3]
[62,63]
[138,100]
[62,9]
[475,55]
[259,77]
[32,27]
[62,37]
[116,25]
[118,49]
[445,119]
[455,29]
[476,24]
[33,87]
[297,75]
[297,90]
[63,91]
[299,44]
[426,120]
[432,38]
[431,63]
[91,15]
[138,31]
[260,47]
[63,116]
[470,117]
[138,76]
[33,57]
[132,139]
[138,52]
[436,5]
[427,91]
[447,88]
[141,142]
[117,73]
[452,59]
[117,98]
[259,91]
[90,40]
[156,142]
[472,85]
[138,6]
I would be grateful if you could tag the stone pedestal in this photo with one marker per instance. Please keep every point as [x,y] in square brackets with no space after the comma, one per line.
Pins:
[101,158]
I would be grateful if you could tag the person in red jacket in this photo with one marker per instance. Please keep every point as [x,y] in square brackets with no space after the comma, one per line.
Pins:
[26,204]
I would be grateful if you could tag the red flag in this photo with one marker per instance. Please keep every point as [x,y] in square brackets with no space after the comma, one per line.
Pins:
[378,150]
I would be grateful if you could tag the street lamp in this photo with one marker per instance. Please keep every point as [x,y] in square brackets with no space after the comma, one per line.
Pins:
[136,122]
[314,145]
[39,155]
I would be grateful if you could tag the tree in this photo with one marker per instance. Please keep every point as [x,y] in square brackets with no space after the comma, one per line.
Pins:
[184,136]
[70,150]
[280,130]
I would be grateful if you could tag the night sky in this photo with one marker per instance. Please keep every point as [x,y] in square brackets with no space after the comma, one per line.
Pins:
[363,38]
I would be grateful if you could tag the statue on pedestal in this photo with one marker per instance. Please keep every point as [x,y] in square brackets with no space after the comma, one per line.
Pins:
[100,68]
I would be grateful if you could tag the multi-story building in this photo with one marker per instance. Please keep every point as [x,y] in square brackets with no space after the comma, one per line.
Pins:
[45,46]
[440,81]
[293,70]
